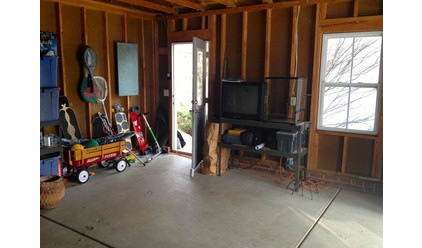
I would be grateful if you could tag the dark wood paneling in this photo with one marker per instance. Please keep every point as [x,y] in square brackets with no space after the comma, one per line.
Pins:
[72,37]
[150,93]
[134,35]
[194,23]
[359,156]
[330,152]
[255,46]
[340,9]
[370,7]
[48,22]
[233,46]
[306,39]
[281,31]
[116,33]
[95,33]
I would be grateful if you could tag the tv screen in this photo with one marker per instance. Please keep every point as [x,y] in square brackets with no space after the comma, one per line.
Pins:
[243,100]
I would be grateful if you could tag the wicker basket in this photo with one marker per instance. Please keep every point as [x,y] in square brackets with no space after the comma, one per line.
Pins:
[52,191]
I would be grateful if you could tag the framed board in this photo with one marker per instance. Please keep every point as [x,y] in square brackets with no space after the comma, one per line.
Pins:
[127,69]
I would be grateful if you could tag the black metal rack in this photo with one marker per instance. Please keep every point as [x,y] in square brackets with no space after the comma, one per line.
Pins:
[57,148]
[300,155]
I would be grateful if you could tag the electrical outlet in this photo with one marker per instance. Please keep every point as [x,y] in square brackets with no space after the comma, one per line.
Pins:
[166,92]
[293,101]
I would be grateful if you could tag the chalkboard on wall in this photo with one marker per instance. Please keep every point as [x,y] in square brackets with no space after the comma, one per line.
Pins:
[127,69]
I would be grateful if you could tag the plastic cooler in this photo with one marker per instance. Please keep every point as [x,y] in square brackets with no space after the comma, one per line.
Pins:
[48,71]
[49,104]
[287,141]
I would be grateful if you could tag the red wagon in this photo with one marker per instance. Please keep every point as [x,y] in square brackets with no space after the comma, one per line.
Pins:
[78,161]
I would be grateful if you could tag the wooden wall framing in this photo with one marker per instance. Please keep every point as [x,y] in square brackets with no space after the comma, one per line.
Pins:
[352,156]
[286,41]
[79,23]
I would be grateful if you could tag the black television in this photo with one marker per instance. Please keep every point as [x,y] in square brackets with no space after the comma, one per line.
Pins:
[243,100]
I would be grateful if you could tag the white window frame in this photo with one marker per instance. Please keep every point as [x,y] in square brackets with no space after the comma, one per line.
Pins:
[323,84]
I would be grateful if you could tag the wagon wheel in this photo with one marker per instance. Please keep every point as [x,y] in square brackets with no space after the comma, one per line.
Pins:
[121,165]
[104,163]
[67,170]
[83,176]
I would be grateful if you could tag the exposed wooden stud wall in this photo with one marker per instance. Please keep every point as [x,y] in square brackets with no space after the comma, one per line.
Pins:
[81,26]
[268,43]
[62,66]
[244,44]
[294,53]
[144,76]
[108,61]
[321,13]
[212,59]
[356,8]
[332,25]
[101,6]
[295,45]
[88,122]
[223,41]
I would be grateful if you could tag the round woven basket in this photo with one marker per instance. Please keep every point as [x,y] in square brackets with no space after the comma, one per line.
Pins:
[51,191]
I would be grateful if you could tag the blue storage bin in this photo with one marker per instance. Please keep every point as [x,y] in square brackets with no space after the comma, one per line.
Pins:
[49,104]
[50,166]
[48,71]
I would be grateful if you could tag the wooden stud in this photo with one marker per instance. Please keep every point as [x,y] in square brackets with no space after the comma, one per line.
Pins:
[314,136]
[185,24]
[125,38]
[107,102]
[344,159]
[223,35]
[88,111]
[268,43]
[356,8]
[212,63]
[204,22]
[62,68]
[244,44]
[294,58]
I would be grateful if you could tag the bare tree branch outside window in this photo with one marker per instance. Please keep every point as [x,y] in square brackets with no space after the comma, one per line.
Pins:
[350,82]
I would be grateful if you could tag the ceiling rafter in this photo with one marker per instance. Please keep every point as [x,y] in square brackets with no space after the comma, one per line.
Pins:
[228,3]
[189,4]
[173,8]
[151,5]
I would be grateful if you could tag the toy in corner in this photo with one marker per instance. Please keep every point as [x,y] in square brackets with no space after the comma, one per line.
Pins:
[140,135]
[136,125]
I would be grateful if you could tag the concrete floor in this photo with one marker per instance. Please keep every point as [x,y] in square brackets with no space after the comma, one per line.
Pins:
[160,205]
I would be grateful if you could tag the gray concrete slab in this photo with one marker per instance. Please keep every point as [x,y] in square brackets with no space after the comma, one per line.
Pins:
[160,205]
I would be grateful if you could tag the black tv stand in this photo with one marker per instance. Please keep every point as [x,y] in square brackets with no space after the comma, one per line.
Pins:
[300,155]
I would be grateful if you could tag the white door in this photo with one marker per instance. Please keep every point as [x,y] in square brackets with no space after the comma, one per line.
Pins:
[199,86]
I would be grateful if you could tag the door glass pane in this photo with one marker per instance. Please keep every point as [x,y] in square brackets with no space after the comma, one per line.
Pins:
[200,70]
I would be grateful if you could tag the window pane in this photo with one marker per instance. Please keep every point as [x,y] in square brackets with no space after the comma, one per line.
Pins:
[362,108]
[335,107]
[350,68]
[339,60]
[366,59]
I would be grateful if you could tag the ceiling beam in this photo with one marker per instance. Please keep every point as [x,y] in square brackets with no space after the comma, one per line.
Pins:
[228,3]
[151,5]
[188,4]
